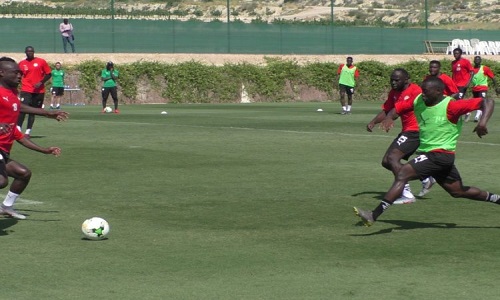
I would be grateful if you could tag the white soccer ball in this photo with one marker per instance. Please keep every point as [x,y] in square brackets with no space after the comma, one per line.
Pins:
[108,109]
[95,228]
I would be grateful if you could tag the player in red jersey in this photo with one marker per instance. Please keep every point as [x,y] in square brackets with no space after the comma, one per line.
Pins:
[461,73]
[407,141]
[10,107]
[36,72]
[480,82]
[450,88]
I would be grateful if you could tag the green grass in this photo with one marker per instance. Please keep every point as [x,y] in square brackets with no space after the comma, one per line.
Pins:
[248,201]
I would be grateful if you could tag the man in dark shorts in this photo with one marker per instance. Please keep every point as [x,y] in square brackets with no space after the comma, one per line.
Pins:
[439,118]
[348,73]
[461,73]
[36,72]
[407,141]
[480,82]
[57,86]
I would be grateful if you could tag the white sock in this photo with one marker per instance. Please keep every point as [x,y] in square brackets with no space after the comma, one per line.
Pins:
[28,131]
[348,108]
[478,114]
[10,199]
[344,108]
[407,191]
[426,180]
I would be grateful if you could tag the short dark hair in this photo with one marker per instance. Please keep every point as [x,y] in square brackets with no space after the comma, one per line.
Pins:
[437,62]
[436,81]
[458,50]
[405,73]
[5,58]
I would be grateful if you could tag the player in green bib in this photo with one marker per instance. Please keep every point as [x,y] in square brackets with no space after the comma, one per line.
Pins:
[109,77]
[440,120]
[348,73]
[57,86]
[480,79]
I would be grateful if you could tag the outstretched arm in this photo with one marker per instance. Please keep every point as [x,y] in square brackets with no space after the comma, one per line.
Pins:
[377,119]
[58,115]
[56,151]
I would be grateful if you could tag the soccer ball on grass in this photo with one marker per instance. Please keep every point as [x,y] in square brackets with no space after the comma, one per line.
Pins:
[95,228]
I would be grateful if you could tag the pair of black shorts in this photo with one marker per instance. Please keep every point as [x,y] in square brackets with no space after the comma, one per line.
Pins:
[349,90]
[32,99]
[439,165]
[481,94]
[57,91]
[406,142]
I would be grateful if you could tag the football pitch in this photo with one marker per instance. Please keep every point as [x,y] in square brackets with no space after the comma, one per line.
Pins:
[242,201]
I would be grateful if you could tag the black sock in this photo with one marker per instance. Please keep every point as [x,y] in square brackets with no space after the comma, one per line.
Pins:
[380,209]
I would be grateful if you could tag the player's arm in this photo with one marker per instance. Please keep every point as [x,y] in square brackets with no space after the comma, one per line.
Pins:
[489,73]
[377,119]
[487,106]
[56,151]
[57,115]
[44,80]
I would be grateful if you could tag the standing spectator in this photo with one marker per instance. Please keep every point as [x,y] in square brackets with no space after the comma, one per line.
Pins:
[35,72]
[348,73]
[450,88]
[66,30]
[109,77]
[461,73]
[57,86]
[480,82]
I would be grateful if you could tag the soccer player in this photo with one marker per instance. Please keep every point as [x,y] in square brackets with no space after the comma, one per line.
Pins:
[109,77]
[439,118]
[450,88]
[407,141]
[57,86]
[480,82]
[10,107]
[36,72]
[461,73]
[348,73]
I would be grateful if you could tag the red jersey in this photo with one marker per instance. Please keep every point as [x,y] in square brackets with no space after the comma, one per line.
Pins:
[10,107]
[33,72]
[450,87]
[487,72]
[408,120]
[356,73]
[460,70]
[454,110]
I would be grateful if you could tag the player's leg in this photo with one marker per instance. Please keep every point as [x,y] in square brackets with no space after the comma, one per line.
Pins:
[65,44]
[349,92]
[36,101]
[342,92]
[25,99]
[59,94]
[22,176]
[105,95]
[52,97]
[479,112]
[454,186]
[114,96]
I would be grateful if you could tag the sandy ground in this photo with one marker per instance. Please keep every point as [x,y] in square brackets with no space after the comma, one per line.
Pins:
[220,59]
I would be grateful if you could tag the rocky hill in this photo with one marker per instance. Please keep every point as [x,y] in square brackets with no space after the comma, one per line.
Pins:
[484,14]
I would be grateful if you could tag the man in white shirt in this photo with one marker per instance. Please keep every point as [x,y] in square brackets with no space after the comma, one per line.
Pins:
[66,30]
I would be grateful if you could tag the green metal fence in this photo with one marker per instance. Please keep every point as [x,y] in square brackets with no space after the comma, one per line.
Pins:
[145,36]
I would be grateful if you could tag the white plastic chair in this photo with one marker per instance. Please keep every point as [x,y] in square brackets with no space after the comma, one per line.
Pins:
[493,47]
[466,46]
[455,43]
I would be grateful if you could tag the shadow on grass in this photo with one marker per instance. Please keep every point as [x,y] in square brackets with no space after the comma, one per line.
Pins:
[402,225]
[6,223]
[376,195]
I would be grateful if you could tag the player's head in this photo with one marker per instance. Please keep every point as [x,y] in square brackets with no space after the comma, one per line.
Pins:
[432,90]
[434,67]
[477,60]
[109,65]
[10,74]
[58,65]
[349,60]
[30,52]
[457,53]
[399,79]
[65,21]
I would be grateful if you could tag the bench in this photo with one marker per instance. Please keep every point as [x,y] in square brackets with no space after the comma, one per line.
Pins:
[433,47]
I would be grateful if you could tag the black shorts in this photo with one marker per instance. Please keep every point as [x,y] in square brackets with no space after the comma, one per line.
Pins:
[481,94]
[32,99]
[439,165]
[407,142]
[57,91]
[461,91]
[349,90]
